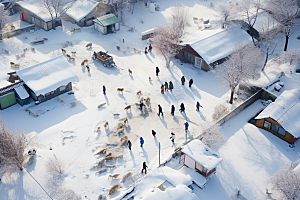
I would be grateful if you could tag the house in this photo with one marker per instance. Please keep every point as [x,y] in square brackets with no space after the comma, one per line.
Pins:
[107,24]
[32,12]
[161,184]
[205,49]
[49,79]
[282,116]
[200,158]
[83,13]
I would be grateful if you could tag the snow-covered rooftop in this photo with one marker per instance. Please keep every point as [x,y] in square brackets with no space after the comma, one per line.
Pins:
[202,154]
[34,7]
[221,44]
[286,111]
[48,76]
[22,92]
[81,8]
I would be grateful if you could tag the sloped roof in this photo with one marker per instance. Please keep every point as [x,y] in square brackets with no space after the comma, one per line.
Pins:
[107,20]
[48,76]
[286,111]
[34,7]
[202,154]
[221,44]
[81,8]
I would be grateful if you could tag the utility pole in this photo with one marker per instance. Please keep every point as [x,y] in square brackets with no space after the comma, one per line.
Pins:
[158,154]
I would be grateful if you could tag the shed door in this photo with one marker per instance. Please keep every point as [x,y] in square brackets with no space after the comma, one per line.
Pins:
[198,62]
[7,100]
[189,162]
[32,20]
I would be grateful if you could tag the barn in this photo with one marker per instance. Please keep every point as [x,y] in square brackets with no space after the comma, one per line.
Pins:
[83,13]
[49,79]
[107,24]
[205,49]
[282,116]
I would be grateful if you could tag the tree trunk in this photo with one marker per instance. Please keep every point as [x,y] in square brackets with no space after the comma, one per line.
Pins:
[266,60]
[286,42]
[231,97]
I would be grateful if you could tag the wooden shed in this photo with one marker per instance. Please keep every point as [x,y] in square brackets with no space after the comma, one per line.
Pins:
[201,158]
[281,117]
[107,24]
[8,97]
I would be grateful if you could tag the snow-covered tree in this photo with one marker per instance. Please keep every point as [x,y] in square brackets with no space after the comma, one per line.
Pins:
[225,11]
[166,41]
[220,110]
[12,148]
[241,65]
[179,19]
[213,137]
[120,8]
[3,16]
[292,57]
[284,12]
[287,182]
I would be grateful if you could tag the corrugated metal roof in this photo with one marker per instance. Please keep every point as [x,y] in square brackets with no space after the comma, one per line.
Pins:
[107,20]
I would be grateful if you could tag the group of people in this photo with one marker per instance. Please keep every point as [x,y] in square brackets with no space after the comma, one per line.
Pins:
[182,108]
[166,87]
[190,82]
[149,49]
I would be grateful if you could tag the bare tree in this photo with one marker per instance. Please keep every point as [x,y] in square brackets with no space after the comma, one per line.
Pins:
[179,19]
[166,41]
[120,8]
[55,166]
[220,110]
[3,16]
[66,194]
[287,182]
[225,11]
[12,148]
[248,10]
[241,65]
[213,137]
[292,57]
[284,12]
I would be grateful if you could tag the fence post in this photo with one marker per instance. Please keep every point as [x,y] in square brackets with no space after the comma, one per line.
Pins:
[158,154]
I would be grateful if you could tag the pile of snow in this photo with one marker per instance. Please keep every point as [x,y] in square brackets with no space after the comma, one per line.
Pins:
[48,76]
[202,154]
[286,111]
[221,44]
[34,7]
[80,9]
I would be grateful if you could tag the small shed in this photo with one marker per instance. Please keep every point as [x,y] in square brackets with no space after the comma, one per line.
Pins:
[282,117]
[201,158]
[48,79]
[107,24]
[83,12]
[7,93]
[22,95]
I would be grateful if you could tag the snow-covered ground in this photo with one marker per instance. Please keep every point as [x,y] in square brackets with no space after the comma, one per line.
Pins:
[70,131]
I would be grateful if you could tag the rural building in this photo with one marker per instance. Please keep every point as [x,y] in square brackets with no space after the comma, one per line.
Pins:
[200,158]
[107,24]
[282,116]
[31,12]
[84,12]
[49,79]
[207,48]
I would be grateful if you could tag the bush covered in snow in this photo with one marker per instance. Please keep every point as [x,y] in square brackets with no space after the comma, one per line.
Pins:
[213,137]
[292,57]
[66,194]
[219,111]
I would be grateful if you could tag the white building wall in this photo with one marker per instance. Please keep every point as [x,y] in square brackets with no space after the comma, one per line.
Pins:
[189,162]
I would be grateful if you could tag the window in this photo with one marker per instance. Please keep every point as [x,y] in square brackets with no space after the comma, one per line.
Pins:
[62,88]
[199,167]
[267,124]
[47,94]
[274,128]
[281,131]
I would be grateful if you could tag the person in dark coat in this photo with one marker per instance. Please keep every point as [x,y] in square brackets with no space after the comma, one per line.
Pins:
[198,106]
[172,110]
[186,126]
[144,167]
[141,105]
[182,108]
[160,111]
[191,82]
[172,137]
[166,86]
[162,89]
[153,133]
[146,50]
[171,86]
[129,145]
[182,80]
[157,71]
[141,141]
[150,48]
[104,90]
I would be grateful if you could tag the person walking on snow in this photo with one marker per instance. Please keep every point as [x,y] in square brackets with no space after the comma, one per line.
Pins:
[157,71]
[171,86]
[144,167]
[162,89]
[172,137]
[153,133]
[104,90]
[198,106]
[182,80]
[166,86]
[186,126]
[150,48]
[141,141]
[191,82]
[172,110]
[146,50]
[141,105]
[182,108]
[160,111]
[129,145]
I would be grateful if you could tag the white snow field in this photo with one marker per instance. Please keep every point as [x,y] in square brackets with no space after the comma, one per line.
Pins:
[248,159]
